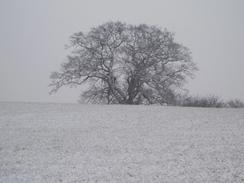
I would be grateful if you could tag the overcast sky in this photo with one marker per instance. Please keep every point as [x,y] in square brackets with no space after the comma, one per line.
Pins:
[33,34]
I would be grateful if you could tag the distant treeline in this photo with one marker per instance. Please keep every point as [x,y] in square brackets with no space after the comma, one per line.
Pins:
[207,101]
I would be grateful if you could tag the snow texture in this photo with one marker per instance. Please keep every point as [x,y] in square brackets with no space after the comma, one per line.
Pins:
[119,143]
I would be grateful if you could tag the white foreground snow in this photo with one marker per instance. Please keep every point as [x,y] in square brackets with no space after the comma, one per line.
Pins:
[98,143]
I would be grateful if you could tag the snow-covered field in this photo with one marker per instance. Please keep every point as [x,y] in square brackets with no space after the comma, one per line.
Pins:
[99,143]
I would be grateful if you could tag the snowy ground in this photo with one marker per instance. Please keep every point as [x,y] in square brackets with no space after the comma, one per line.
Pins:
[92,143]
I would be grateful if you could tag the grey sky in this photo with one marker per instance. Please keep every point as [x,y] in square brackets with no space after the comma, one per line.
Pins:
[33,34]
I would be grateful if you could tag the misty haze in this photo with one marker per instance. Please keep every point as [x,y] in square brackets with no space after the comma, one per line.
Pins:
[121,91]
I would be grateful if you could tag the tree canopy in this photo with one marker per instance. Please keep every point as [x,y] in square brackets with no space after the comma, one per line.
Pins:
[125,64]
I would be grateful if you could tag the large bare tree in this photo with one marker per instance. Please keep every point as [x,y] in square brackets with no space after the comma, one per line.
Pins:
[125,64]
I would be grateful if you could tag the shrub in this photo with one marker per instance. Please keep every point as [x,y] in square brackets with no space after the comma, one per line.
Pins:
[235,103]
[196,101]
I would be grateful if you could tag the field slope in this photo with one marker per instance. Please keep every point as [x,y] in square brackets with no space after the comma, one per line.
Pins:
[99,143]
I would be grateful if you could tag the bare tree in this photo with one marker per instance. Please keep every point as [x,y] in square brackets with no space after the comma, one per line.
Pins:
[125,64]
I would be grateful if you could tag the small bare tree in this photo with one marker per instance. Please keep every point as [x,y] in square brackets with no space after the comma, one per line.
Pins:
[125,64]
